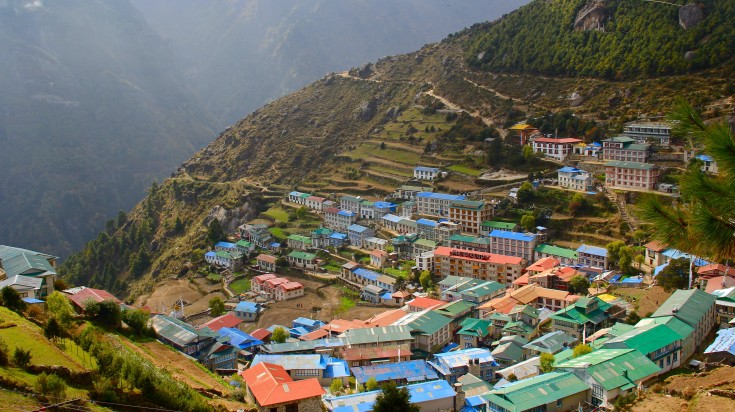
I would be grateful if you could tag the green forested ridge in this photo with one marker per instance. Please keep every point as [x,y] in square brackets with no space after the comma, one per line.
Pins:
[639,39]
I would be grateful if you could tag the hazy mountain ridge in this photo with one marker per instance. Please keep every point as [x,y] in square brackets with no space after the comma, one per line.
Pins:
[93,92]
[240,54]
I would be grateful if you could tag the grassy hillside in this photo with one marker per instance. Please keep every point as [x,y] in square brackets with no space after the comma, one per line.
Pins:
[346,134]
[638,38]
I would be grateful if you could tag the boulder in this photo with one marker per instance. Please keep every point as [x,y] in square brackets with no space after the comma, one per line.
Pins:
[690,15]
[592,16]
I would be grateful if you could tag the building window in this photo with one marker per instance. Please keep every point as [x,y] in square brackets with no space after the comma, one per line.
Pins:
[559,403]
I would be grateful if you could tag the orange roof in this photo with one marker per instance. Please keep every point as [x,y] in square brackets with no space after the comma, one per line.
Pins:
[401,294]
[425,303]
[522,280]
[341,325]
[378,253]
[263,278]
[227,320]
[563,273]
[386,318]
[522,126]
[477,256]
[529,293]
[317,334]
[276,281]
[271,385]
[715,269]
[543,264]
[719,282]
[656,246]
[291,286]
[503,304]
[266,258]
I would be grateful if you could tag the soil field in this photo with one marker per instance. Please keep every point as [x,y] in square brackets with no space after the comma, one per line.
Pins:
[645,300]
[696,387]
[284,312]
[195,294]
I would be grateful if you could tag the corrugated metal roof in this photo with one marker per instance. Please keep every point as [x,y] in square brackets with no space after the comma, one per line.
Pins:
[447,361]
[551,342]
[379,334]
[724,342]
[557,251]
[504,234]
[23,262]
[416,370]
[646,339]
[688,305]
[176,331]
[613,368]
[291,362]
[539,390]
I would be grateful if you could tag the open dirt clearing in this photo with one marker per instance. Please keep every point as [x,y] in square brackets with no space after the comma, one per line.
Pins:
[646,300]
[698,387]
[195,294]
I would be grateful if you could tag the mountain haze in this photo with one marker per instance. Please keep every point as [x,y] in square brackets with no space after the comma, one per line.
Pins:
[240,54]
[318,138]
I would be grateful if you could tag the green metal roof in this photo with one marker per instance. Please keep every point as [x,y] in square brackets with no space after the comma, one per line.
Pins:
[646,339]
[298,254]
[323,231]
[468,204]
[429,322]
[494,224]
[450,281]
[244,243]
[608,367]
[367,203]
[426,243]
[557,251]
[26,264]
[300,238]
[539,390]
[620,139]
[688,305]
[461,238]
[677,325]
[631,165]
[499,316]
[228,255]
[552,342]
[578,314]
[518,327]
[484,289]
[619,328]
[475,327]
[453,309]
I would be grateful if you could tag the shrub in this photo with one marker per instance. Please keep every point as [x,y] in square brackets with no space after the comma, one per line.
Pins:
[4,353]
[22,357]
[51,386]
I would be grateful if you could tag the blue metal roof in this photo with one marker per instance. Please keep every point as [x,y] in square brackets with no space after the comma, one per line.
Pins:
[384,205]
[356,228]
[444,362]
[312,323]
[336,368]
[449,347]
[295,193]
[275,244]
[226,245]
[427,222]
[592,250]
[429,391]
[475,400]
[31,300]
[367,274]
[426,169]
[337,235]
[705,158]
[298,331]
[724,342]
[210,254]
[634,279]
[415,370]
[569,169]
[239,338]
[420,392]
[440,196]
[392,218]
[504,234]
[348,213]
[658,269]
[387,296]
[248,307]
[676,254]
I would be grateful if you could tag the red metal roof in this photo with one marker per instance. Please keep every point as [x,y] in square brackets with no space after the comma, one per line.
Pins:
[559,141]
[715,270]
[261,334]
[656,246]
[97,295]
[477,256]
[263,278]
[270,385]
[543,264]
[291,286]
[227,320]
[425,303]
[317,334]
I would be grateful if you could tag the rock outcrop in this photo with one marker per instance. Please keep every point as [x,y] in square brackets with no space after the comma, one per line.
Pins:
[592,16]
[690,15]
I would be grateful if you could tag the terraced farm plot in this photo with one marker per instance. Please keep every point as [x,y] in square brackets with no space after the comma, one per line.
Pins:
[416,119]
[466,170]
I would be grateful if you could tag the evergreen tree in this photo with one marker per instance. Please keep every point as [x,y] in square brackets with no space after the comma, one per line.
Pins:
[214,232]
[12,300]
[675,275]
[216,306]
[393,399]
[703,222]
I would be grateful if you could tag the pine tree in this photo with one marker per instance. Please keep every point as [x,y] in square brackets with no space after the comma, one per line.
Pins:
[703,222]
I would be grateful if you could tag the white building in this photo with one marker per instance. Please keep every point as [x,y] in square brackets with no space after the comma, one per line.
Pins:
[574,179]
[425,261]
[425,173]
[435,204]
[649,131]
[555,148]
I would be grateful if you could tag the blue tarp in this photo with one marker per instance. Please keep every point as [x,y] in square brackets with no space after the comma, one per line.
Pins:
[449,347]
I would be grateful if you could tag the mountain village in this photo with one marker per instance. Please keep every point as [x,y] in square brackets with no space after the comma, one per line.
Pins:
[473,312]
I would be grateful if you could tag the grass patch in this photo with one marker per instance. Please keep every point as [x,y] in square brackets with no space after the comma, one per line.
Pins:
[278,233]
[214,277]
[368,150]
[277,213]
[391,170]
[465,170]
[396,273]
[240,285]
[332,267]
[345,304]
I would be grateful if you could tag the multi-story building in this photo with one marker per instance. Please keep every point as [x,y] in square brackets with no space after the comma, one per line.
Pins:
[302,260]
[357,235]
[256,233]
[289,290]
[230,260]
[351,203]
[314,202]
[653,131]
[625,149]
[425,173]
[298,197]
[430,330]
[631,175]
[320,237]
[476,243]
[435,204]
[574,179]
[479,265]
[426,228]
[338,219]
[470,214]
[708,164]
[592,256]
[445,230]
[266,262]
[585,317]
[452,365]
[513,244]
[409,192]
[555,148]
[425,261]
[693,307]
[563,255]
[299,242]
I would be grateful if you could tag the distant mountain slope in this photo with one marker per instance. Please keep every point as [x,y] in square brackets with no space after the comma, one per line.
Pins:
[622,40]
[240,54]
[92,110]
